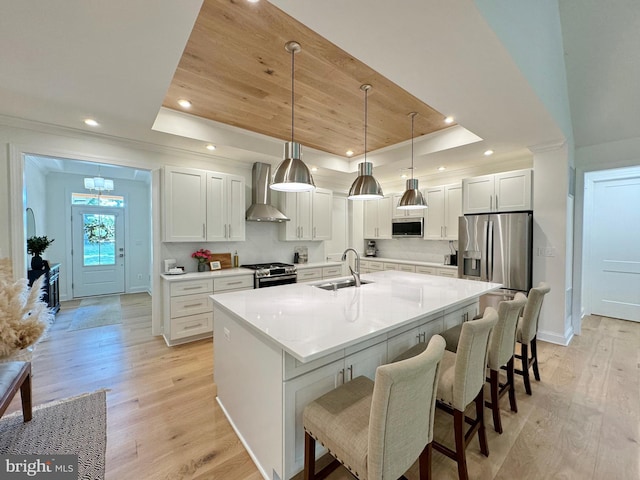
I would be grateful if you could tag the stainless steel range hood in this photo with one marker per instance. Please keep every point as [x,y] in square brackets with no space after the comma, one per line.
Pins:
[261,209]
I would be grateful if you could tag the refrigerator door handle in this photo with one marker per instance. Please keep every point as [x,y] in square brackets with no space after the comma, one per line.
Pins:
[484,252]
[490,251]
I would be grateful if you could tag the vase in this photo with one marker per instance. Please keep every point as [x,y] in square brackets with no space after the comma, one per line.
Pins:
[201,267]
[37,263]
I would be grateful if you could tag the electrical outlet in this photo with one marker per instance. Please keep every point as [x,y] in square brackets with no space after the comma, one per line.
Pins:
[227,334]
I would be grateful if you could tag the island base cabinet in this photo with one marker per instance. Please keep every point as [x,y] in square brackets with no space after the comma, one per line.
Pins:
[249,386]
[402,342]
[301,391]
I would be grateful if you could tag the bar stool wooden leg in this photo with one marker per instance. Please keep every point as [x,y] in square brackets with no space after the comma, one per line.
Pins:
[534,358]
[511,382]
[482,432]
[461,457]
[494,387]
[309,457]
[525,368]
[425,462]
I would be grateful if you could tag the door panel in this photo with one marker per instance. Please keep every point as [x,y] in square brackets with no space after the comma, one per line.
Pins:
[98,251]
[615,254]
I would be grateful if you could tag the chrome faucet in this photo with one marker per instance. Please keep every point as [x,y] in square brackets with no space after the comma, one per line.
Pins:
[356,274]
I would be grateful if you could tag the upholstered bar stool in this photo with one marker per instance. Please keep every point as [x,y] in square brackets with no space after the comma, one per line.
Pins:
[502,344]
[527,332]
[461,382]
[378,429]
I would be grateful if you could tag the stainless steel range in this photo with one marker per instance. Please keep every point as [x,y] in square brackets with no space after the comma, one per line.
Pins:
[272,274]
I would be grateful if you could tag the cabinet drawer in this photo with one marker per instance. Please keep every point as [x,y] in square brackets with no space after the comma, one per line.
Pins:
[391,266]
[447,272]
[328,272]
[192,325]
[407,268]
[309,274]
[373,266]
[232,283]
[191,287]
[190,305]
[425,270]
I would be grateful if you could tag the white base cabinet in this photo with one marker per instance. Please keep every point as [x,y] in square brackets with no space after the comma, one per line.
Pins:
[187,309]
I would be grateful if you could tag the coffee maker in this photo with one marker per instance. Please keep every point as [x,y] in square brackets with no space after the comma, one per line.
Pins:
[371,249]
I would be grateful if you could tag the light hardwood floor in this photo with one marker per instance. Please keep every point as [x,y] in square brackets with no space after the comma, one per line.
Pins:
[582,421]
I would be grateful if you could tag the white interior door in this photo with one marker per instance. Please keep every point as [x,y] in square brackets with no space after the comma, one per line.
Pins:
[98,250]
[615,252]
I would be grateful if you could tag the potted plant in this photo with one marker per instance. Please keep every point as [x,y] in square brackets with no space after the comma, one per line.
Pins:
[36,247]
[202,256]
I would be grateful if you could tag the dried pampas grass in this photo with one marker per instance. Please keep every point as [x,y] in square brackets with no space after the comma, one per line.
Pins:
[23,314]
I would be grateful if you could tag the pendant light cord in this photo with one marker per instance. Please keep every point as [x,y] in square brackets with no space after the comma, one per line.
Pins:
[366,96]
[413,116]
[293,56]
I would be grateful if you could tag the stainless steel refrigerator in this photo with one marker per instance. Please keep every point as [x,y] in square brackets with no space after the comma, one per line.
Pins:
[497,248]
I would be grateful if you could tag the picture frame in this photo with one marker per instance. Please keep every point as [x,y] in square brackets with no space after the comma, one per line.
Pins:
[214,265]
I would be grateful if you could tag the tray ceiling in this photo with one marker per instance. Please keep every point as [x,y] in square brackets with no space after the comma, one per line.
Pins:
[235,70]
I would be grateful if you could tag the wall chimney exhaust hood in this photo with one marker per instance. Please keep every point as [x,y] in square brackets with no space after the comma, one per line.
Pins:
[261,209]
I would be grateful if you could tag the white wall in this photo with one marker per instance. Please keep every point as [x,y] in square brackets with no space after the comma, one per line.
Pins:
[36,196]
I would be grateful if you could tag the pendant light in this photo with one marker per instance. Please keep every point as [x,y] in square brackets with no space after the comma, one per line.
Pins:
[292,175]
[412,198]
[365,186]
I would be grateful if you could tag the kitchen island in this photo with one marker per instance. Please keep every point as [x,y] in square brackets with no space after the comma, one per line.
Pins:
[277,349]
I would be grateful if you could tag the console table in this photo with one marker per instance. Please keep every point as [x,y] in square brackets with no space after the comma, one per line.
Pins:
[51,285]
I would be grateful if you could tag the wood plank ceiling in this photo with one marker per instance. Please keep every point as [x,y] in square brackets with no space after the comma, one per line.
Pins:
[235,70]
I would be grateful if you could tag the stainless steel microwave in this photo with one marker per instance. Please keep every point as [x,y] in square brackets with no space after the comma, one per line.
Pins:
[407,227]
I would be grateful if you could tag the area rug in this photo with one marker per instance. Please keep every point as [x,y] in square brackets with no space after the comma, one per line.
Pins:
[75,425]
[97,312]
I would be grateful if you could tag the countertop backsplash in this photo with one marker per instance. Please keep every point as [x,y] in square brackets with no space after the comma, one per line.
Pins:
[415,249]
[261,245]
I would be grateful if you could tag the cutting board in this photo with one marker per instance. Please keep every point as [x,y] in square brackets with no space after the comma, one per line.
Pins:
[223,258]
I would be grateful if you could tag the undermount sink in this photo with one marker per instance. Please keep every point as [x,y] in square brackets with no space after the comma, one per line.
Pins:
[340,284]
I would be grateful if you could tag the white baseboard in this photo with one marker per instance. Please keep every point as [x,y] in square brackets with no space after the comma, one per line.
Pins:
[553,337]
[143,289]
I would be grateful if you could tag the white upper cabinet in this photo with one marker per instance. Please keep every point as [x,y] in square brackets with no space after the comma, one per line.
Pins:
[377,218]
[397,212]
[184,204]
[225,208]
[445,206]
[309,213]
[502,192]
[202,206]
[322,214]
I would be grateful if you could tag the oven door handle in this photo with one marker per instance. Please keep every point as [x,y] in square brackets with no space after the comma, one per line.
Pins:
[264,281]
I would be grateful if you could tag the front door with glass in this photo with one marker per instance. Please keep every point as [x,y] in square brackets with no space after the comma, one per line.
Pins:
[98,250]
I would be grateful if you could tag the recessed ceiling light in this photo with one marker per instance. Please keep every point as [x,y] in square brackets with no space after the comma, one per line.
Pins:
[488,152]
[404,175]
[211,147]
[253,1]
[184,103]
[349,153]
[441,169]
[314,169]
[448,119]
[91,122]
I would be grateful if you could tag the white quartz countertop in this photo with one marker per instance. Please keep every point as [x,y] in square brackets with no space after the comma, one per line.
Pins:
[227,272]
[309,323]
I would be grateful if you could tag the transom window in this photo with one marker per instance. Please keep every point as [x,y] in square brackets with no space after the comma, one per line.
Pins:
[97,200]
